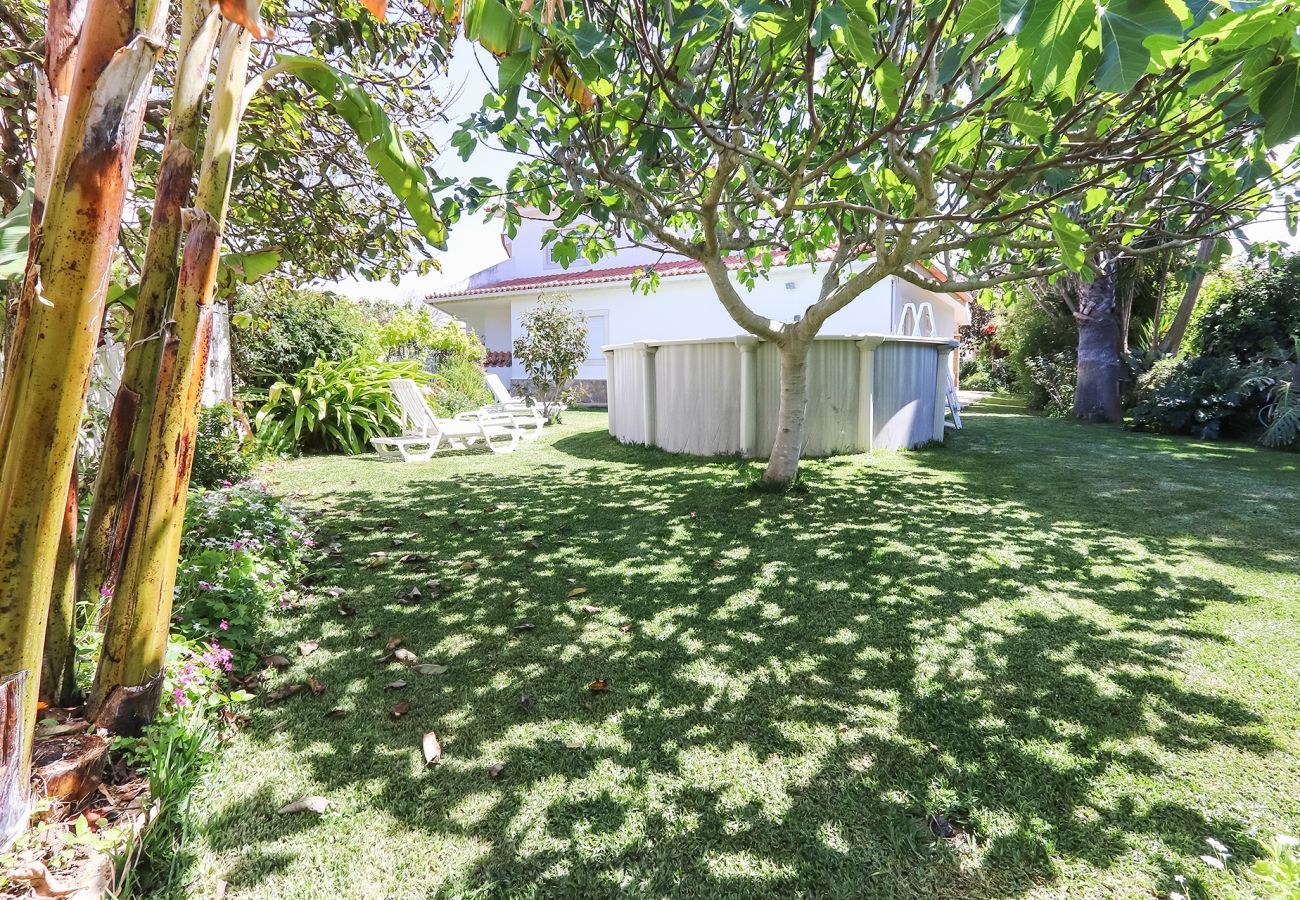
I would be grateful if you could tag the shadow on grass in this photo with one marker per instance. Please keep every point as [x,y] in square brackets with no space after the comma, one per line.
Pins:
[796,682]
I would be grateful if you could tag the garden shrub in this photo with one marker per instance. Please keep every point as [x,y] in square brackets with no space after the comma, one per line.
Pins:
[551,348]
[1053,380]
[1250,312]
[1208,397]
[458,387]
[287,330]
[1240,383]
[334,406]
[221,454]
[241,550]
[1029,332]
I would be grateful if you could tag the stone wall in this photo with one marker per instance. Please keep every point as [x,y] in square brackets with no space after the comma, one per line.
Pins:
[591,391]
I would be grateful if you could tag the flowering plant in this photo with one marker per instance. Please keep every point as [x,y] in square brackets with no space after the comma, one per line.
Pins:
[243,549]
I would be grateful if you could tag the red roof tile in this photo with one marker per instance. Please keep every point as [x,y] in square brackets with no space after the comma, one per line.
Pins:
[624,273]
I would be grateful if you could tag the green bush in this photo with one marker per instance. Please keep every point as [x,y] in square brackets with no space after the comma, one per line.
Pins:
[1053,378]
[286,330]
[221,455]
[241,549]
[1039,345]
[978,380]
[404,333]
[334,406]
[1207,397]
[458,387]
[1251,312]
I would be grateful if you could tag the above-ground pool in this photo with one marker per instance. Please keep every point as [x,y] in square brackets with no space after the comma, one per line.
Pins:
[720,395]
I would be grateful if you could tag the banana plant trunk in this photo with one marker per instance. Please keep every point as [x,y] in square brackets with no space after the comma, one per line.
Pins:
[59,665]
[58,324]
[117,482]
[128,681]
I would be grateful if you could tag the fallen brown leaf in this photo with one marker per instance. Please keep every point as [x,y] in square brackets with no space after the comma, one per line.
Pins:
[401,708]
[577,592]
[599,686]
[496,770]
[395,685]
[336,713]
[284,691]
[468,565]
[405,657]
[347,609]
[316,685]
[393,644]
[525,626]
[275,662]
[432,749]
[429,669]
[530,545]
[589,609]
[372,633]
[626,629]
[526,703]
[306,648]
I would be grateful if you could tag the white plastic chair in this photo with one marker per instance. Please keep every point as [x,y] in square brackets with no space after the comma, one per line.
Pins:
[423,432]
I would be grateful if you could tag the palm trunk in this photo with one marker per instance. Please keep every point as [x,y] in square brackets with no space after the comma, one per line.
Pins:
[117,482]
[59,666]
[59,321]
[1172,341]
[128,681]
[792,415]
[1096,394]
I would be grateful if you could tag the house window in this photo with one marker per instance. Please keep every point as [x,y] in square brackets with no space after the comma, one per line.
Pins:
[597,335]
[550,262]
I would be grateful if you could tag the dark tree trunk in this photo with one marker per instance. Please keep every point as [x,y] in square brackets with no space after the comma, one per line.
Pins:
[1096,393]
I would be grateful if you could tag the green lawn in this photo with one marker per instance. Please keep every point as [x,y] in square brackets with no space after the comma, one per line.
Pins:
[1077,644]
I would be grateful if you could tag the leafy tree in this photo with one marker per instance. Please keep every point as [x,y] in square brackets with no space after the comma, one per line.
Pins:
[1022,139]
[551,348]
[280,330]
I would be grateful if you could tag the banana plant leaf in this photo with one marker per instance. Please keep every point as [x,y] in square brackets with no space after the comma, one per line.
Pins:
[389,155]
[15,229]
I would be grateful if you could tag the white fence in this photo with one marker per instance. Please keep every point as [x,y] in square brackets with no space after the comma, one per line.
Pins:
[721,395]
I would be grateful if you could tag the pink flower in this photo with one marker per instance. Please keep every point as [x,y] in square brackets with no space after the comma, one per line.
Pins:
[106,592]
[181,699]
[224,626]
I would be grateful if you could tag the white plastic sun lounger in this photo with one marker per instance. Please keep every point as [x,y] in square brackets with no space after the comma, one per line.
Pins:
[526,416]
[423,432]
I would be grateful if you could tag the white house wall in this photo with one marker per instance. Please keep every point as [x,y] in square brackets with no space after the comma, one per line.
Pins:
[686,307]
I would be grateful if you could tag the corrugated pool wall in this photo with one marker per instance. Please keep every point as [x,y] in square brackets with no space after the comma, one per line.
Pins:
[721,396]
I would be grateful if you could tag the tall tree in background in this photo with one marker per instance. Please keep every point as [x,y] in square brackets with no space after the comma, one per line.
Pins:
[975,131]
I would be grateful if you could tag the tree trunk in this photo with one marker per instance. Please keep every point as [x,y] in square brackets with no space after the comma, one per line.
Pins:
[113,499]
[1096,395]
[792,414]
[1172,341]
[15,753]
[59,666]
[129,677]
[58,323]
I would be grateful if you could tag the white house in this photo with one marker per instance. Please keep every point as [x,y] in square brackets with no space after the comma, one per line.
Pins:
[683,307]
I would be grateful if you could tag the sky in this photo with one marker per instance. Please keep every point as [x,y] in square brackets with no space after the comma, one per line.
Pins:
[474,245]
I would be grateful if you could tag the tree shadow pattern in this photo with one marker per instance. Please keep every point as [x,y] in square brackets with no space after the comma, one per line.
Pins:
[991,632]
